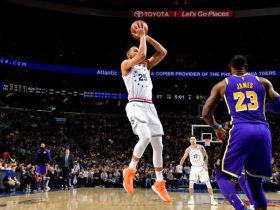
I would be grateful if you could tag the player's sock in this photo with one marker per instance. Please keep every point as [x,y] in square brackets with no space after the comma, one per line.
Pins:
[228,189]
[258,195]
[47,183]
[39,185]
[133,164]
[159,175]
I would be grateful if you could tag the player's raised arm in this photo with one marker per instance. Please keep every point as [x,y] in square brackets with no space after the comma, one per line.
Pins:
[135,55]
[159,55]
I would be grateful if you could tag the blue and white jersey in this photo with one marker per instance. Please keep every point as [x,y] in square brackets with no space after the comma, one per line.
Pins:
[196,156]
[139,84]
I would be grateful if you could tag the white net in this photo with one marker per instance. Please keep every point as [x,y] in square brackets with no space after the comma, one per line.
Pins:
[207,142]
[204,134]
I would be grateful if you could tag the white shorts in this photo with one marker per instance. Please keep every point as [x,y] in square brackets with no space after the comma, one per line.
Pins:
[199,173]
[139,112]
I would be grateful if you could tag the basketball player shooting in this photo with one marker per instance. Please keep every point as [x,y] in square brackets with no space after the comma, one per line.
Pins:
[140,109]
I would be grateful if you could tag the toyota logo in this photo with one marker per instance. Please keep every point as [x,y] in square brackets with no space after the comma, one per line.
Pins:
[138,14]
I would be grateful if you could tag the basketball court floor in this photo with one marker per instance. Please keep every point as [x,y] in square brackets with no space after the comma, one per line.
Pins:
[116,199]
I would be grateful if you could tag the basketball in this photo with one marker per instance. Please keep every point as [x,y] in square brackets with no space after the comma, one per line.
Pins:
[136,23]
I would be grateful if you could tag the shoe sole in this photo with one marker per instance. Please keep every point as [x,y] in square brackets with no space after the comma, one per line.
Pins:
[124,185]
[154,189]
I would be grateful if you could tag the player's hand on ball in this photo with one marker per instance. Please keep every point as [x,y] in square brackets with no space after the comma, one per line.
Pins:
[138,28]
[221,134]
[139,32]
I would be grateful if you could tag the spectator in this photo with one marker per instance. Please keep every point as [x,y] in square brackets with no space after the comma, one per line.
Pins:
[66,164]
[10,181]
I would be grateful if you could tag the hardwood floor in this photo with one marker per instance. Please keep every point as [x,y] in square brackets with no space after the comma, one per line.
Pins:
[117,199]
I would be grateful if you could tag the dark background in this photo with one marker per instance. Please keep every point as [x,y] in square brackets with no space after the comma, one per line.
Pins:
[49,36]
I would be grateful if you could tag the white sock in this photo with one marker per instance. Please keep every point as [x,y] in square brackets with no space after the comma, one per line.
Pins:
[212,197]
[133,164]
[159,175]
[191,197]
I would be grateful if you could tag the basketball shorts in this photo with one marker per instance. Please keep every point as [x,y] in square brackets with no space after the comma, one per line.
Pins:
[248,146]
[199,173]
[139,112]
[41,169]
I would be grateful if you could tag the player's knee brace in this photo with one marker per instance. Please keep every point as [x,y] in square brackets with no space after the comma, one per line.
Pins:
[144,138]
[258,195]
[191,184]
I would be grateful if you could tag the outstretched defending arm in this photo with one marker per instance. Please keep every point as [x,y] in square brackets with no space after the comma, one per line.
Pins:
[159,55]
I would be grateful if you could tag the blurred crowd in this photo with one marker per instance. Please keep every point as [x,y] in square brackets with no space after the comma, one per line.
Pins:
[101,145]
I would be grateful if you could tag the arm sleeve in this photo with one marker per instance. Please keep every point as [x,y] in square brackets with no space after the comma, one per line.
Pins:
[274,106]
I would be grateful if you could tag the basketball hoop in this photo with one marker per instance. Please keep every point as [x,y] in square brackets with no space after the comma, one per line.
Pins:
[207,142]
